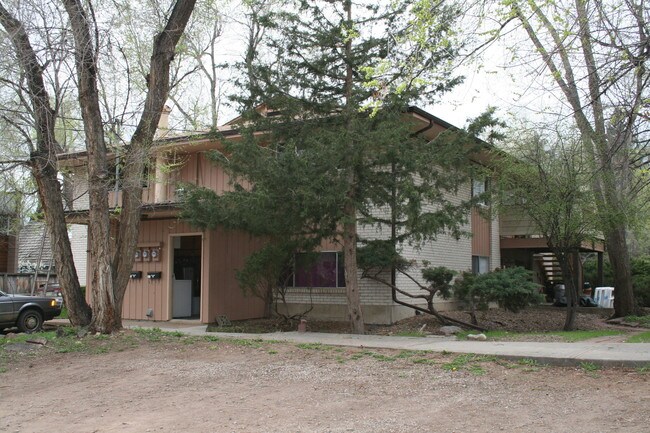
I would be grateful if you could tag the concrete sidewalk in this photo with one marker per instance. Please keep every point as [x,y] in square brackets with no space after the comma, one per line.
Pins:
[600,353]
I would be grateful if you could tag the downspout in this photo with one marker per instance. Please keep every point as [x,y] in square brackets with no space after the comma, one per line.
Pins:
[393,234]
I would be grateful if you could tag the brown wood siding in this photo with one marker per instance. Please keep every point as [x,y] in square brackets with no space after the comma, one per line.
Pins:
[223,253]
[142,294]
[195,168]
[228,251]
[480,235]
[4,253]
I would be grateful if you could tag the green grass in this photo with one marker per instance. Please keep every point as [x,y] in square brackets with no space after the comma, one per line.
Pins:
[404,354]
[572,336]
[469,362]
[643,370]
[643,337]
[527,362]
[64,313]
[255,343]
[426,361]
[567,336]
[156,334]
[68,343]
[589,367]
[383,358]
[642,320]
[313,346]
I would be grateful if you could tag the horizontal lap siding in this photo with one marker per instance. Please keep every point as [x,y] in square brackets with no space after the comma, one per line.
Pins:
[495,244]
[445,250]
[513,222]
[194,168]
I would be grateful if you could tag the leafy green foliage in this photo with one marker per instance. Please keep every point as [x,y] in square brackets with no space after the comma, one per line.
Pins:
[643,321]
[640,276]
[380,255]
[327,141]
[511,288]
[439,279]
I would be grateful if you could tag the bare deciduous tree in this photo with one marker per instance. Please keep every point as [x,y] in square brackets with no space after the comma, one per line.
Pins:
[42,163]
[112,247]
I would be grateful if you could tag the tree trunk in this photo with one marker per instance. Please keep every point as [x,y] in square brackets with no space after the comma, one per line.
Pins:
[350,260]
[43,168]
[113,262]
[570,289]
[619,258]
[139,150]
[601,149]
[350,218]
[103,297]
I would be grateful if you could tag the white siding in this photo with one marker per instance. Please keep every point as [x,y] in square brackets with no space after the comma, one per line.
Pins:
[444,251]
[495,244]
[79,242]
[80,188]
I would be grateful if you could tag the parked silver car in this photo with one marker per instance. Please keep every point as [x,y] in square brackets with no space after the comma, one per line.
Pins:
[26,312]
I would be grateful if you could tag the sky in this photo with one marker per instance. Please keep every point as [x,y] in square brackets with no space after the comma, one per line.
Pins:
[489,84]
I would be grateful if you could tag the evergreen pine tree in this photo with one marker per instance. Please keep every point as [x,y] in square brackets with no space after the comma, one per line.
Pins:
[328,147]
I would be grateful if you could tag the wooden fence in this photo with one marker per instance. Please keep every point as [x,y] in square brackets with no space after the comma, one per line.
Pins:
[22,284]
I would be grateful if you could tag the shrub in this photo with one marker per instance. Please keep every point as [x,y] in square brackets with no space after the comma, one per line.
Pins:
[640,276]
[511,288]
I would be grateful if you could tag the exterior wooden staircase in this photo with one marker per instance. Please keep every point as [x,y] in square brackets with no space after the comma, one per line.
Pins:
[549,266]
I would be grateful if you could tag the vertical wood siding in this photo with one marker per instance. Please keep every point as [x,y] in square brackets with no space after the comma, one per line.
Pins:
[480,235]
[195,168]
[142,294]
[222,254]
[228,251]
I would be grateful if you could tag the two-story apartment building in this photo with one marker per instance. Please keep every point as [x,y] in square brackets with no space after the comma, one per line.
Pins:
[180,271]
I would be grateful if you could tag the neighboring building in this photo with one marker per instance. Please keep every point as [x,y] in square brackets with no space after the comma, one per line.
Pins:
[35,249]
[522,246]
[8,244]
[181,271]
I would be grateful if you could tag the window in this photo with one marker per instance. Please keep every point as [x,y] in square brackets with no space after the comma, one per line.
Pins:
[480,264]
[479,187]
[319,270]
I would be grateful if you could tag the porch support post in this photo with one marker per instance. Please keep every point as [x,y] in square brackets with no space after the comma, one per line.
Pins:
[161,180]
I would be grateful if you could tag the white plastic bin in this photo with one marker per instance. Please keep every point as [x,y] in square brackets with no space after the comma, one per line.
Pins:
[604,297]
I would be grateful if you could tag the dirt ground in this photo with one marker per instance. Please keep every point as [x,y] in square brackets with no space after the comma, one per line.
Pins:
[537,320]
[191,385]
